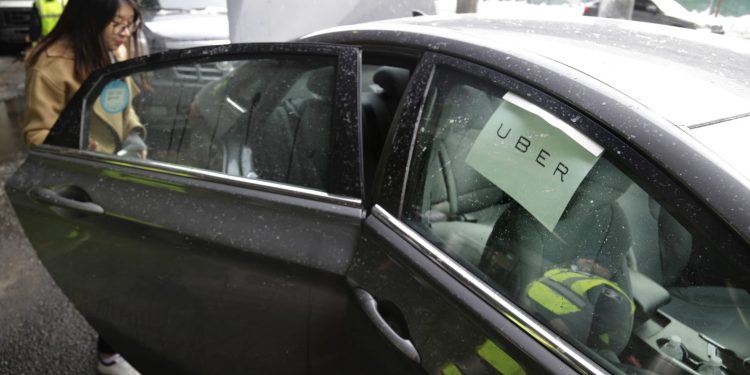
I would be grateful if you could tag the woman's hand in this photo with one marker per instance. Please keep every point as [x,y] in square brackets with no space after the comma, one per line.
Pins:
[133,146]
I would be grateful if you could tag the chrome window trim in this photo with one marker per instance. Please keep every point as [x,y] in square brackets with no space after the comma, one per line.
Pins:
[234,104]
[203,175]
[505,306]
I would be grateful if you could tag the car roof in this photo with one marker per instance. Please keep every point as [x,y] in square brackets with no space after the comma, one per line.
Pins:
[688,77]
[659,86]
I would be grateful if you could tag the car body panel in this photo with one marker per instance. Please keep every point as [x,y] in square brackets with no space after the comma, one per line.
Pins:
[146,276]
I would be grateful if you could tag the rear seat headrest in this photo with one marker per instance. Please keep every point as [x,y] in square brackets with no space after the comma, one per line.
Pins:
[320,82]
[391,79]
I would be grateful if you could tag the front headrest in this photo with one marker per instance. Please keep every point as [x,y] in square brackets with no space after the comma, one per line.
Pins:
[602,186]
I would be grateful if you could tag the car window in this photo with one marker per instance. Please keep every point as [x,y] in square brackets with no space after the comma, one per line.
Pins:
[551,221]
[264,118]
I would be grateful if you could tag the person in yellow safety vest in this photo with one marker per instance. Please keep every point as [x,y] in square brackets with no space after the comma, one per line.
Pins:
[44,18]
[580,302]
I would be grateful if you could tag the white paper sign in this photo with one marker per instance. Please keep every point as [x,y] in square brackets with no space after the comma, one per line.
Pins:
[534,157]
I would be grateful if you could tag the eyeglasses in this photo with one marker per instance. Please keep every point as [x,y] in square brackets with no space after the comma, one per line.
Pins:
[118,28]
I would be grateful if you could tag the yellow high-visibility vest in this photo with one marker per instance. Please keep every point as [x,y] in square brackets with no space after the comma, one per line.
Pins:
[49,11]
[596,311]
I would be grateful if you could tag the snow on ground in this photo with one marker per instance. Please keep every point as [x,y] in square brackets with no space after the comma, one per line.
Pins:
[520,8]
[736,26]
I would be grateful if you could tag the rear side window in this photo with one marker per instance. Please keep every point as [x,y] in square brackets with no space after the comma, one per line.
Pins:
[264,118]
[549,219]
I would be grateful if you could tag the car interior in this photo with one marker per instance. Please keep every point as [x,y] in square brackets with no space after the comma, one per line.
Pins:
[719,311]
[288,144]
[463,205]
[382,87]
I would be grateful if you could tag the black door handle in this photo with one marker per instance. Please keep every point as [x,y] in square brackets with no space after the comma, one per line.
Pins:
[53,198]
[370,306]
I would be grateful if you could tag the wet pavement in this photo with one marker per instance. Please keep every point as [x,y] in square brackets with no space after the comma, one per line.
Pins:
[40,331]
[11,106]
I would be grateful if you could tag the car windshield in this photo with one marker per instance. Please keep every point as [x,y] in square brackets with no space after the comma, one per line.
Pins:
[183,4]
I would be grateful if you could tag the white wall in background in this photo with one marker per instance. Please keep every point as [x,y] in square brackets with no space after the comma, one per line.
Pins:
[267,20]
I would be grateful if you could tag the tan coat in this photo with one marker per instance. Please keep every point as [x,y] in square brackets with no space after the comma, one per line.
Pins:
[50,84]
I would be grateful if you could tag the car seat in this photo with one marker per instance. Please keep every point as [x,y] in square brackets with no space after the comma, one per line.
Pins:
[289,142]
[378,109]
[463,204]
[720,312]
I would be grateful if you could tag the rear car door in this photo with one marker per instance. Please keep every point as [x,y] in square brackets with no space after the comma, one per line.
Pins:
[223,250]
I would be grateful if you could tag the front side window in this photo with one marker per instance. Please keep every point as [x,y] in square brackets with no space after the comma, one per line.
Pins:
[266,118]
[550,219]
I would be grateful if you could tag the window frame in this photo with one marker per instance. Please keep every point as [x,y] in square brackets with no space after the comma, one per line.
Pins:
[69,131]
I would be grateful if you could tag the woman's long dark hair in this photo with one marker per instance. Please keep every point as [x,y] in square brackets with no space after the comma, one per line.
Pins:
[82,23]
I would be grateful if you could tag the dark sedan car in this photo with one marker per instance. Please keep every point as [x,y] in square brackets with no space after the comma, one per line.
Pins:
[429,195]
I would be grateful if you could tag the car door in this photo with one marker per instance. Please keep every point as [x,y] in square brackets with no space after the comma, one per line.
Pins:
[223,250]
[511,234]
[427,307]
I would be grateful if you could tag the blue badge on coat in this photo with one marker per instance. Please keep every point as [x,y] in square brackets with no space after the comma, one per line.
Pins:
[115,96]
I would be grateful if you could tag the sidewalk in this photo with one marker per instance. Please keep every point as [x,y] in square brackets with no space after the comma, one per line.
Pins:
[11,107]
[40,331]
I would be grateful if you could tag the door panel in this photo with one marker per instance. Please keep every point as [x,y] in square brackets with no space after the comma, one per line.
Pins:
[449,326]
[191,269]
[456,323]
[181,268]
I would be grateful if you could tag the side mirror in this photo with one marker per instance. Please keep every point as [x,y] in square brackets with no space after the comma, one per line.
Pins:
[651,8]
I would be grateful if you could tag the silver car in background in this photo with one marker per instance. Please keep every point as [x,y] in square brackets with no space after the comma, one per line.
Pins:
[176,24]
